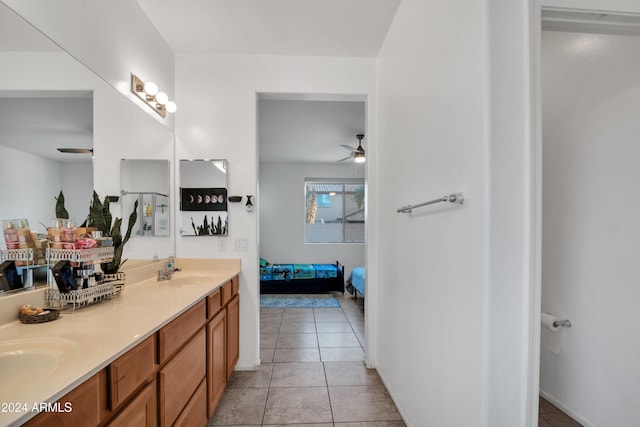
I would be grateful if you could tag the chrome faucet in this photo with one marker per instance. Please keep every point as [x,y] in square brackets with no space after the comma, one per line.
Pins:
[166,273]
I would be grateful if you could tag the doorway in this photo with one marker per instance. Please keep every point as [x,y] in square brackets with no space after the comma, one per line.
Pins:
[588,96]
[305,145]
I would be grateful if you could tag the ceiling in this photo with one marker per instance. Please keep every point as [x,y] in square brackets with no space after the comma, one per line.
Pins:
[305,129]
[40,122]
[280,27]
[309,131]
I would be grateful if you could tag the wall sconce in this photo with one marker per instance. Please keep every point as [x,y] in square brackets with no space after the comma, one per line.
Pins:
[249,204]
[148,92]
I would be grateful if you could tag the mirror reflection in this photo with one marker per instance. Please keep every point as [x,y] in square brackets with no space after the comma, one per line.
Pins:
[146,181]
[203,198]
[46,135]
[76,109]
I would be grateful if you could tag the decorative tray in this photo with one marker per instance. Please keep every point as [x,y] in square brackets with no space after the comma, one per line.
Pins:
[47,315]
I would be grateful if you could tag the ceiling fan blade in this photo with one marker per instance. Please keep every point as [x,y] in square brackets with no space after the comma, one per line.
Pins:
[76,150]
[347,147]
[346,158]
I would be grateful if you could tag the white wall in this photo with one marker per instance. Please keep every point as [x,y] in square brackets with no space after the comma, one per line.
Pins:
[121,129]
[590,212]
[114,39]
[432,262]
[282,220]
[28,185]
[76,183]
[217,95]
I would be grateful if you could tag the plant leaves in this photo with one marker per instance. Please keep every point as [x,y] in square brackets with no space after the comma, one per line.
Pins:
[61,212]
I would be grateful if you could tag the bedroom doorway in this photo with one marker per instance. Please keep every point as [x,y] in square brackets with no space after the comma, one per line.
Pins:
[306,150]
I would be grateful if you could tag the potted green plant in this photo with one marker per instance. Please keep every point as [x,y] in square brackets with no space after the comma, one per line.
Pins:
[100,217]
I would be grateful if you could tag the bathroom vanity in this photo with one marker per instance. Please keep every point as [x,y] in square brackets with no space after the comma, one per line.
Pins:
[158,355]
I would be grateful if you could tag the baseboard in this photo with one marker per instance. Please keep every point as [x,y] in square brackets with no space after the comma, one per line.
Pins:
[564,408]
[393,398]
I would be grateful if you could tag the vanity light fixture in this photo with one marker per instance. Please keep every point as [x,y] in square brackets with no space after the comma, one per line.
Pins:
[150,94]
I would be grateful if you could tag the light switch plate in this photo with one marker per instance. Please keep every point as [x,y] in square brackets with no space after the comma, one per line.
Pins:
[242,244]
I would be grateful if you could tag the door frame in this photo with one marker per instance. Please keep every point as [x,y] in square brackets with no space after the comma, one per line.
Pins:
[620,7]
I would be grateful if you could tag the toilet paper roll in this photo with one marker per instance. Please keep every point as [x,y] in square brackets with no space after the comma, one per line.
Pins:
[546,320]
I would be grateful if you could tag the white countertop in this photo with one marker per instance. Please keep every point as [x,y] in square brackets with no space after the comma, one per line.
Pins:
[94,336]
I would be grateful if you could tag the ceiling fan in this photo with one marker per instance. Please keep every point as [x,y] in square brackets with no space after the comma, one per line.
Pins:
[356,153]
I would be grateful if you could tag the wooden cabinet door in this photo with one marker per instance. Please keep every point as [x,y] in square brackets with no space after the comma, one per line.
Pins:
[216,360]
[80,407]
[195,413]
[141,412]
[180,378]
[130,371]
[233,334]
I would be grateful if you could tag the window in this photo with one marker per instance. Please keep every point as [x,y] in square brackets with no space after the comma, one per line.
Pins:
[334,211]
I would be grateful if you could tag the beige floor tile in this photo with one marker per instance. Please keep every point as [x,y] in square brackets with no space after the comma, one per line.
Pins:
[353,354]
[302,425]
[251,379]
[270,326]
[350,374]
[309,374]
[329,315]
[266,355]
[298,315]
[372,424]
[297,328]
[268,340]
[240,406]
[338,340]
[298,405]
[296,355]
[333,327]
[297,341]
[362,403]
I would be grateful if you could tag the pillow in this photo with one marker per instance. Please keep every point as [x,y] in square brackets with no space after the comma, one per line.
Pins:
[263,262]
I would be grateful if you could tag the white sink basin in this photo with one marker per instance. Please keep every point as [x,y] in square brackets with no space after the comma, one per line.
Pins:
[25,362]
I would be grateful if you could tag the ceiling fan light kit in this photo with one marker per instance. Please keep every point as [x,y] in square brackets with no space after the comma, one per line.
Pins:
[357,154]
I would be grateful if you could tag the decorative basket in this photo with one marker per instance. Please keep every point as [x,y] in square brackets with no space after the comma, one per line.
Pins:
[39,318]
[117,280]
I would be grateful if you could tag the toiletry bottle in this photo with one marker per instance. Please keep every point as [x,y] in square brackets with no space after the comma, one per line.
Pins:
[170,262]
[10,235]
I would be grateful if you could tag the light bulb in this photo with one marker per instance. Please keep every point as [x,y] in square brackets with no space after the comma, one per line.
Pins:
[162,98]
[171,107]
[150,88]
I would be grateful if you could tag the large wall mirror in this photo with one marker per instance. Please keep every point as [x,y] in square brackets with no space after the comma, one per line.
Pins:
[203,198]
[50,101]
[46,131]
[147,182]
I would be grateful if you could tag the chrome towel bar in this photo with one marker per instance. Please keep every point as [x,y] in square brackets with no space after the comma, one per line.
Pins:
[457,198]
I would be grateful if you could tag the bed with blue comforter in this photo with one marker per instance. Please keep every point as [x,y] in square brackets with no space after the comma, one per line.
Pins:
[301,278]
[355,281]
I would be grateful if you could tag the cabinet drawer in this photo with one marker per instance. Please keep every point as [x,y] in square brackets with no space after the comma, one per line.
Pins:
[176,333]
[181,377]
[214,302]
[80,407]
[141,412]
[130,371]
[235,286]
[195,413]
[226,292]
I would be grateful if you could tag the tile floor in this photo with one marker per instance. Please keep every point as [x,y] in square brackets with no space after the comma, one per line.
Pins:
[550,416]
[312,374]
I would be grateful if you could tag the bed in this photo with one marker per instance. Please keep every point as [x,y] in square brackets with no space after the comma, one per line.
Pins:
[301,278]
[355,282]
